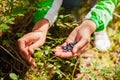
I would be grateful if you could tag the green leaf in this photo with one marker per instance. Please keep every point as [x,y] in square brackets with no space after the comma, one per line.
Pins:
[5,42]
[38,54]
[10,21]
[19,34]
[13,76]
[20,14]
[3,27]
[1,78]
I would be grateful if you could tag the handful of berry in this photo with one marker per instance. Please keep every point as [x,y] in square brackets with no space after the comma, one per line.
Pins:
[68,47]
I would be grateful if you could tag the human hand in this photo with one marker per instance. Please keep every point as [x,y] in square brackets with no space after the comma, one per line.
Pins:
[29,42]
[33,40]
[81,35]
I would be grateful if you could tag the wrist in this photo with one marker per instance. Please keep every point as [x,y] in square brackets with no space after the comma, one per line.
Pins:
[41,26]
[90,25]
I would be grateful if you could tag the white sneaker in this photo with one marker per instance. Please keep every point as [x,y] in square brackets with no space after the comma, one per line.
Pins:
[102,41]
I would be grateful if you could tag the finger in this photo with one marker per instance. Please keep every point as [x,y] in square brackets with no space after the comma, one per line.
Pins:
[28,57]
[84,47]
[81,50]
[37,44]
[21,44]
[64,54]
[31,60]
[60,53]
[72,36]
[23,48]
[58,48]
[78,38]
[33,63]
[80,45]
[65,43]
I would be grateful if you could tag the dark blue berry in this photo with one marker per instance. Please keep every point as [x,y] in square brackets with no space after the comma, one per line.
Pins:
[69,47]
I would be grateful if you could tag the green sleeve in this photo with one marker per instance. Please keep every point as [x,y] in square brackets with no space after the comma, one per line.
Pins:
[48,9]
[102,13]
[42,9]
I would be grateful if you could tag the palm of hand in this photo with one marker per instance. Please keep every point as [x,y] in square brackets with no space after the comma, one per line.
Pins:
[79,35]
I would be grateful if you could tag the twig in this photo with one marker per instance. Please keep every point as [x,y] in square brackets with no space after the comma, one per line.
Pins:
[75,67]
[10,64]
[18,56]
[10,54]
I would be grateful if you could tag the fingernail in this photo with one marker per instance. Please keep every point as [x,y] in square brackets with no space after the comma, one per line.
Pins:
[31,51]
[33,63]
[74,50]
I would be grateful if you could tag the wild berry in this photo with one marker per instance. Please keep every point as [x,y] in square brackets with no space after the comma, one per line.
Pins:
[69,47]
